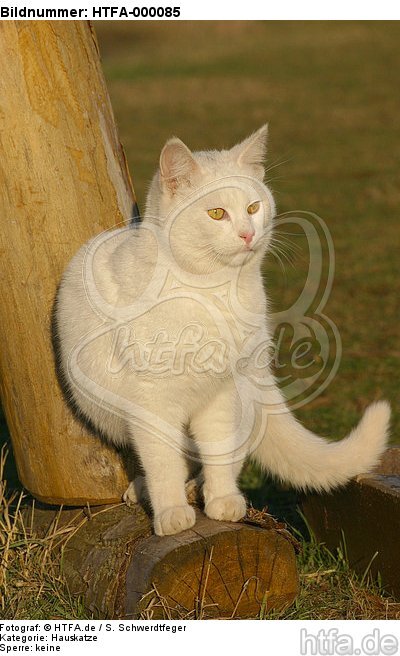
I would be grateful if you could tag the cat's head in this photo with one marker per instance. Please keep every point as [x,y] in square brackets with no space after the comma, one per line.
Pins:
[218,206]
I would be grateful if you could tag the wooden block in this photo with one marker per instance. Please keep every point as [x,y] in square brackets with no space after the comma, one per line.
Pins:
[367,513]
[216,569]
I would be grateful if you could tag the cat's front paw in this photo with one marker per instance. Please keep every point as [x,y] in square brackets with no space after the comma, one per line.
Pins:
[229,509]
[174,520]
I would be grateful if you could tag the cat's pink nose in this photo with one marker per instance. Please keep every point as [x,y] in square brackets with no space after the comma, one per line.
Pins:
[247,236]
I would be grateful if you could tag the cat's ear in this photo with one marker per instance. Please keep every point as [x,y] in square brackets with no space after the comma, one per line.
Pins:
[252,151]
[177,164]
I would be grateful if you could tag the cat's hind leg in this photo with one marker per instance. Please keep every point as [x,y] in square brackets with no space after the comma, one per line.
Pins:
[135,492]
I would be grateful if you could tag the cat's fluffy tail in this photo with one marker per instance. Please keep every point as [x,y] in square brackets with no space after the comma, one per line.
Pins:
[306,461]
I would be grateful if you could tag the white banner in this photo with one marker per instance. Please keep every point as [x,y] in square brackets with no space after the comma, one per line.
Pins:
[191,10]
[84,638]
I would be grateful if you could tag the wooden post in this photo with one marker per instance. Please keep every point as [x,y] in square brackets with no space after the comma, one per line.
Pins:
[63,178]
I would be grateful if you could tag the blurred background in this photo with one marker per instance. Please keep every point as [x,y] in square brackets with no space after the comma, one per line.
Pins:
[331,95]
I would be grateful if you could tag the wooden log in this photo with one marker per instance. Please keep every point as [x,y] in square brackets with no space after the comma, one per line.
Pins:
[364,518]
[64,178]
[216,569]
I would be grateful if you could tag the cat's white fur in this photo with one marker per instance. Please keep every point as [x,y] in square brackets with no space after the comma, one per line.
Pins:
[156,412]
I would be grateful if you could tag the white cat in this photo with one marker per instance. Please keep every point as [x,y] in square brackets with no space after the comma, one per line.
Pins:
[161,327]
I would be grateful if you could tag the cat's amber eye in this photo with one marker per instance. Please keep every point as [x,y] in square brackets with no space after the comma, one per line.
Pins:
[217,213]
[254,207]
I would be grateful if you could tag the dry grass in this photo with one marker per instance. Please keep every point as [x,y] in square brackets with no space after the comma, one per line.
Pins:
[330,590]
[31,581]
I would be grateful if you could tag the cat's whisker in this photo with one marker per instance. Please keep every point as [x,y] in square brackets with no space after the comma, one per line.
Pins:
[210,253]
[284,250]
[285,232]
[276,250]
[277,163]
[279,259]
[295,249]
[274,179]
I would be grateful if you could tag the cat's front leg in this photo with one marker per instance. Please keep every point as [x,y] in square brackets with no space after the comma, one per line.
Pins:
[166,471]
[213,429]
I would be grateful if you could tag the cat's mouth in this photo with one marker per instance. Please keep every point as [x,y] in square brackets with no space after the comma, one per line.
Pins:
[249,248]
[243,253]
